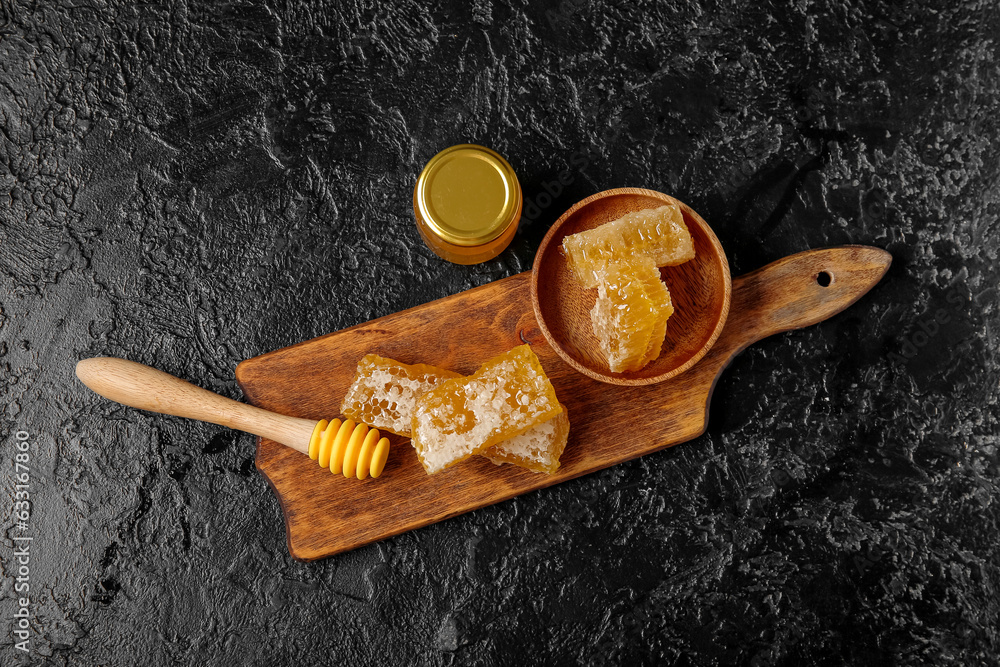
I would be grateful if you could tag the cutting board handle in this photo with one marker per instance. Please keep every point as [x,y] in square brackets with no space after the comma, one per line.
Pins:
[798,291]
[146,388]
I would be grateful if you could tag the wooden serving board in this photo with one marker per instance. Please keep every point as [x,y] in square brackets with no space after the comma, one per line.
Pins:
[327,514]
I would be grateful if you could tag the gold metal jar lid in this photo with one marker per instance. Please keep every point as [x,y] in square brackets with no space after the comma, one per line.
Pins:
[467,203]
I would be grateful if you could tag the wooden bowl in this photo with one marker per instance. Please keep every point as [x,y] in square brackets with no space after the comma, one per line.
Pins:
[700,290]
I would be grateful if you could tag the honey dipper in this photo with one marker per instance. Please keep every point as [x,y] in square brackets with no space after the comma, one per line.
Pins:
[345,447]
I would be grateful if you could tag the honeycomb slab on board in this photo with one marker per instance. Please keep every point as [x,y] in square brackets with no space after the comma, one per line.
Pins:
[538,449]
[508,395]
[385,391]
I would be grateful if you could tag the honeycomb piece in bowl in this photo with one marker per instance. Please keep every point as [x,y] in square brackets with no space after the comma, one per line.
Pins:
[631,312]
[664,308]
[508,395]
[537,449]
[659,233]
[385,392]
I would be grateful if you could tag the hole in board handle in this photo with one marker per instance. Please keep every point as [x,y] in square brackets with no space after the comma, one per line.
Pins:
[824,278]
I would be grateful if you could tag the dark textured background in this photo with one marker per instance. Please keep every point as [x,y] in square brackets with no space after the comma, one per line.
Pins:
[191,185]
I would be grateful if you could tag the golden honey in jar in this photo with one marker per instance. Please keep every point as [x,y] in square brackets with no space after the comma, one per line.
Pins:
[467,203]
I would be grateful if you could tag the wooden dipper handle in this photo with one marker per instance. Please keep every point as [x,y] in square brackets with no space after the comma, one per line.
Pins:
[146,388]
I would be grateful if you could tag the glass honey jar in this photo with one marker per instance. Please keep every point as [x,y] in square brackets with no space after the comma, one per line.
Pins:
[467,203]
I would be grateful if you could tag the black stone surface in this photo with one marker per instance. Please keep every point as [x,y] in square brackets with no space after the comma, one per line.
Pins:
[188,185]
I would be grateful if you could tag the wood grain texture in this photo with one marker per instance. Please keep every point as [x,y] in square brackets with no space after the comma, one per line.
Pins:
[700,290]
[326,515]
